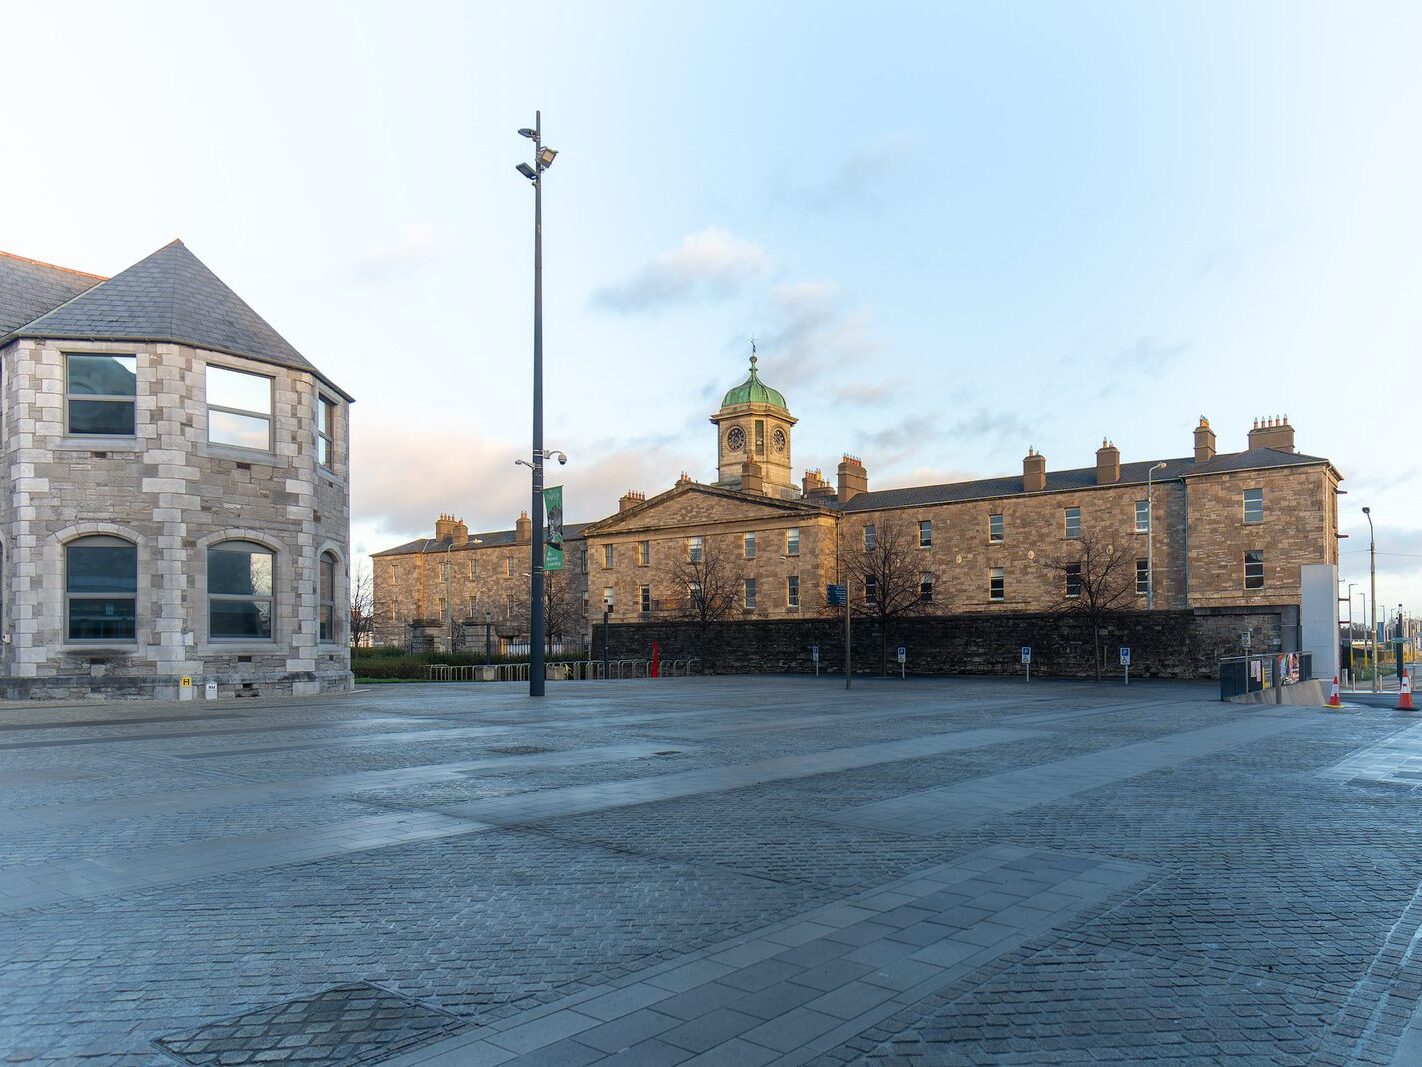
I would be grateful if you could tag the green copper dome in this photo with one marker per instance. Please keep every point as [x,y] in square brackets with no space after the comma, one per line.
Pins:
[754,391]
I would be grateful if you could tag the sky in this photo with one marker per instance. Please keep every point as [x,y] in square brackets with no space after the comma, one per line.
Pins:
[956,231]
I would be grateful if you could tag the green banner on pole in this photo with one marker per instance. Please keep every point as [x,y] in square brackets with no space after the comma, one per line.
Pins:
[553,543]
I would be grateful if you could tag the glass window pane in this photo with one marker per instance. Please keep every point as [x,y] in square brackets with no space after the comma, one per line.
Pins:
[238,389]
[244,431]
[240,618]
[323,452]
[103,375]
[102,618]
[328,417]
[239,571]
[101,568]
[328,579]
[112,417]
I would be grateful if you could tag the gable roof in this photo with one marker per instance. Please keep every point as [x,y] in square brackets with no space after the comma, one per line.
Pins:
[572,531]
[754,500]
[29,288]
[1078,478]
[169,296]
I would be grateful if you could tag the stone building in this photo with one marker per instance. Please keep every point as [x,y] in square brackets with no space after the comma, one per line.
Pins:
[1231,530]
[178,489]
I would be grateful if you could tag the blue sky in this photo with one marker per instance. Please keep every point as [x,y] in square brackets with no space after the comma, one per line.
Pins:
[956,230]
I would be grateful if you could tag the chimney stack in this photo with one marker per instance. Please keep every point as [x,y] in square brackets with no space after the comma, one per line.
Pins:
[1204,441]
[853,478]
[751,480]
[630,499]
[1108,463]
[1034,471]
[685,479]
[444,527]
[523,528]
[814,487]
[1272,432]
[461,532]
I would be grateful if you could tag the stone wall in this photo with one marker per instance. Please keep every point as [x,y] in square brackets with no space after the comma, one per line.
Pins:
[1164,644]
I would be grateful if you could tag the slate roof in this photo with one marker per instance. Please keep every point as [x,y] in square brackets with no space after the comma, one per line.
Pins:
[170,296]
[29,288]
[1079,478]
[572,531]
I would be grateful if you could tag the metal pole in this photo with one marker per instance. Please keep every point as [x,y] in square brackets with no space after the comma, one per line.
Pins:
[449,594]
[848,657]
[606,635]
[1352,670]
[1373,578]
[488,637]
[536,622]
[1150,542]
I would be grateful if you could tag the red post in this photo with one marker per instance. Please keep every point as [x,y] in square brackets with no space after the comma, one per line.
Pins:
[656,660]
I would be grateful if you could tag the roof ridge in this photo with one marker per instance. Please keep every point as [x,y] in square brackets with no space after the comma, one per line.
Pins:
[54,266]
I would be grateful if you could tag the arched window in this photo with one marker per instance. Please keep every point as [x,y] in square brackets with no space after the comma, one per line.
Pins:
[327,597]
[101,589]
[239,591]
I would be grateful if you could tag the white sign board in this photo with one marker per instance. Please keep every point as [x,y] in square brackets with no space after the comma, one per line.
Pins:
[1026,653]
[1125,656]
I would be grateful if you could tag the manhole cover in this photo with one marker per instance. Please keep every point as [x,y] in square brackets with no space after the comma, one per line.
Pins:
[520,750]
[347,1024]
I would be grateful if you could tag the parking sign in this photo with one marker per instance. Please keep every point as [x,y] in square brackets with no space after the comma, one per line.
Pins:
[1125,656]
[1026,653]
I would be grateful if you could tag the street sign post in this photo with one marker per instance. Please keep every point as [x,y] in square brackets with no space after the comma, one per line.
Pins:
[903,656]
[838,596]
[1126,662]
[815,655]
[1027,660]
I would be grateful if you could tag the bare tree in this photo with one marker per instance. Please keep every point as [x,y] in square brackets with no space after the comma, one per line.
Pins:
[707,583]
[362,606]
[1095,579]
[889,577]
[562,606]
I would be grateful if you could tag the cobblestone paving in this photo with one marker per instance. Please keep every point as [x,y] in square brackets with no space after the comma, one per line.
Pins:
[736,871]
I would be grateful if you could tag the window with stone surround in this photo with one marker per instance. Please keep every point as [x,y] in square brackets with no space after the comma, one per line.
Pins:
[471,568]
[995,529]
[1254,569]
[925,533]
[1142,577]
[1253,507]
[997,584]
[792,591]
[1072,573]
[239,591]
[750,594]
[792,541]
[1072,520]
[925,588]
[326,433]
[101,589]
[607,557]
[239,408]
[99,394]
[695,546]
[645,599]
[870,537]
[644,553]
[509,567]
[748,544]
[607,597]
[871,589]
[1142,516]
[327,597]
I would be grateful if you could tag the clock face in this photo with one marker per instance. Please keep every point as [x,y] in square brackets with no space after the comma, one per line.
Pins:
[778,439]
[736,439]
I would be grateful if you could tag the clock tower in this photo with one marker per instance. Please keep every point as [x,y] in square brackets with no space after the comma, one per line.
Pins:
[753,439]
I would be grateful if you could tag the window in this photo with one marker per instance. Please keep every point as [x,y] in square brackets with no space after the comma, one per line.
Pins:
[760,437]
[473,600]
[327,597]
[997,588]
[871,589]
[645,595]
[925,533]
[1254,570]
[99,392]
[995,529]
[101,589]
[607,556]
[509,607]
[1142,516]
[472,569]
[239,408]
[644,553]
[750,594]
[695,546]
[792,591]
[1142,577]
[792,541]
[326,433]
[870,538]
[1073,580]
[509,567]
[748,542]
[1253,506]
[693,594]
[1073,522]
[239,591]
[607,597]
[583,560]
[925,588]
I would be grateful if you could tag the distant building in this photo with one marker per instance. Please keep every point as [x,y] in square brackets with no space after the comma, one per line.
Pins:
[177,480]
[1232,530]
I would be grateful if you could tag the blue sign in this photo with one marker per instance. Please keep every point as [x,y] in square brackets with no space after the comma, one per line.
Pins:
[836,596]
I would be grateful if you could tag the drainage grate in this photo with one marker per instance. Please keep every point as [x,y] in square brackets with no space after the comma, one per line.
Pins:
[347,1024]
[520,750]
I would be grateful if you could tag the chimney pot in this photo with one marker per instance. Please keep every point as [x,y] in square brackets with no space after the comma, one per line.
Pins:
[1204,441]
[853,478]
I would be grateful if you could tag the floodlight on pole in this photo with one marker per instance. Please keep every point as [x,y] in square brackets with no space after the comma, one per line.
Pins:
[527,171]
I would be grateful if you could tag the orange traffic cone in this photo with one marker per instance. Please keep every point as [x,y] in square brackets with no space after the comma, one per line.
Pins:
[1404,699]
[1333,699]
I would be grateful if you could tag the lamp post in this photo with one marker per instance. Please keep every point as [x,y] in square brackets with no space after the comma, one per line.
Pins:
[542,160]
[1150,538]
[1373,595]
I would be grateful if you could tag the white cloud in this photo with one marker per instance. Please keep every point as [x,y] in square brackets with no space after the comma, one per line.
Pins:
[415,245]
[711,263]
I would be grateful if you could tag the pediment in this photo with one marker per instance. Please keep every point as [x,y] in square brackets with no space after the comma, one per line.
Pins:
[697,505]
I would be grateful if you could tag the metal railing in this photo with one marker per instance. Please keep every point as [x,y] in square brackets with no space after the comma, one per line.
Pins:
[578,670]
[1253,674]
